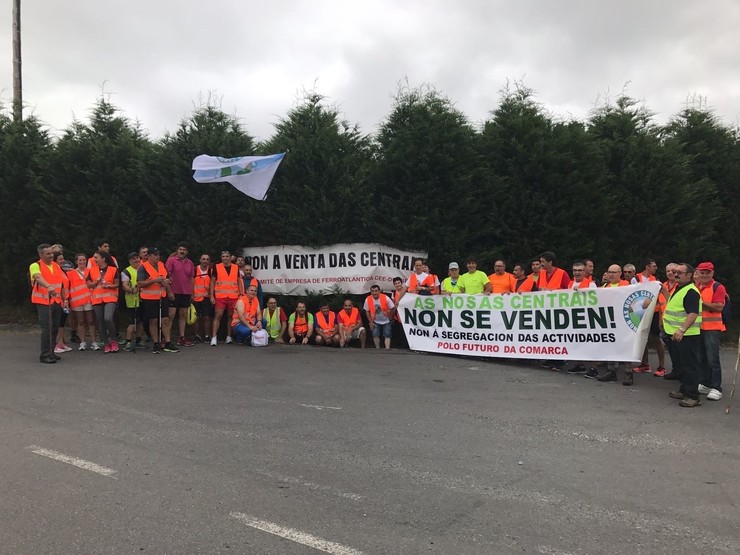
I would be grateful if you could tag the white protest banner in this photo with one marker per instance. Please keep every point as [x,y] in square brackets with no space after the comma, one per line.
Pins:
[296,270]
[607,324]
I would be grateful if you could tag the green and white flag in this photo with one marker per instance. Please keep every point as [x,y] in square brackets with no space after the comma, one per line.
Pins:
[251,175]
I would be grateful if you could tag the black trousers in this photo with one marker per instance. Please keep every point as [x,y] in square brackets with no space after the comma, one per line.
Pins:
[689,354]
[47,340]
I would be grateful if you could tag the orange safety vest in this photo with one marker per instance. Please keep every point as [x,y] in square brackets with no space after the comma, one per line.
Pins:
[300,324]
[621,283]
[426,282]
[396,294]
[325,325]
[79,290]
[350,320]
[526,286]
[555,281]
[100,294]
[383,306]
[251,306]
[39,294]
[642,279]
[227,282]
[710,320]
[584,284]
[153,291]
[201,284]
[252,281]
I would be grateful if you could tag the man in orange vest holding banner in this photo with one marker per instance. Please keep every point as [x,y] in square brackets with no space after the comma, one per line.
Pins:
[421,282]
[551,277]
[350,325]
[247,316]
[614,279]
[155,295]
[501,281]
[379,309]
[713,296]
[226,287]
[49,296]
[523,283]
[325,326]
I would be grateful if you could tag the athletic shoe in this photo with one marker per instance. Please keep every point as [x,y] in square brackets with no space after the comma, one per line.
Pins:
[675,395]
[642,369]
[82,346]
[95,346]
[214,341]
[703,389]
[107,347]
[155,349]
[628,379]
[47,360]
[66,347]
[58,349]
[229,339]
[714,395]
[591,373]
[120,340]
[128,346]
[688,402]
[197,339]
[55,357]
[114,346]
[610,376]
[184,342]
[659,372]
[170,348]
[577,369]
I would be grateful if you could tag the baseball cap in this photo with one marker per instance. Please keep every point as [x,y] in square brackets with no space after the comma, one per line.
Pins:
[133,255]
[153,250]
[453,266]
[705,266]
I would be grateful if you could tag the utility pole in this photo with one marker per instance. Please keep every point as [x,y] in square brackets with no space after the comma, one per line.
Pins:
[17,76]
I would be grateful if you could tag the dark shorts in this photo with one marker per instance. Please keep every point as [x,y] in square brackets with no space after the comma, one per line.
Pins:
[655,324]
[136,315]
[181,301]
[204,308]
[150,309]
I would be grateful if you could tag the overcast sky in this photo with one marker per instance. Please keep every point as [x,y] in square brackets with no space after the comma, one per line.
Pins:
[159,58]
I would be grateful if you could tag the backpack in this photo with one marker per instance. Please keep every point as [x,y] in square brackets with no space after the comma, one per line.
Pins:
[259,338]
[727,309]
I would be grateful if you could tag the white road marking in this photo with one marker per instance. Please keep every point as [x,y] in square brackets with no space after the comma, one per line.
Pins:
[320,407]
[74,461]
[295,535]
[308,485]
[317,407]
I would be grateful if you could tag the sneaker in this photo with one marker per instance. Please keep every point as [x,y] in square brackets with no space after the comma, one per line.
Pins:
[138,344]
[628,379]
[95,346]
[58,349]
[170,348]
[591,373]
[577,369]
[671,376]
[129,346]
[688,402]
[714,395]
[609,376]
[47,360]
[229,339]
[155,349]
[659,372]
[114,346]
[66,347]
[82,346]
[55,357]
[642,369]
[197,339]
[675,395]
[184,342]
[704,390]
[107,347]
[214,341]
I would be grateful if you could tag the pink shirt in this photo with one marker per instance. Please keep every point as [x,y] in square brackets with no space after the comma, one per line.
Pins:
[181,272]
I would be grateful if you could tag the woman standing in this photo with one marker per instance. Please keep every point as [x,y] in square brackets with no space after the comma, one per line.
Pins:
[80,301]
[60,346]
[103,275]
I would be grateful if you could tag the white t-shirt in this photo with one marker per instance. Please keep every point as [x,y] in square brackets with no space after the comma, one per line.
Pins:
[380,318]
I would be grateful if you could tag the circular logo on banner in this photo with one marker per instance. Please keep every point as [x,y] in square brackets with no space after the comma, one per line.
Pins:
[635,306]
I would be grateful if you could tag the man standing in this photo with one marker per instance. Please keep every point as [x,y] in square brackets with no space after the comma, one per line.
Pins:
[646,275]
[501,281]
[451,284]
[201,299]
[713,296]
[378,308]
[551,277]
[155,294]
[275,321]
[669,286]
[249,279]
[682,322]
[629,272]
[129,280]
[300,325]
[350,325]
[579,278]
[399,336]
[614,279]
[327,331]
[589,265]
[226,287]
[48,295]
[523,283]
[474,282]
[247,316]
[182,274]
[421,282]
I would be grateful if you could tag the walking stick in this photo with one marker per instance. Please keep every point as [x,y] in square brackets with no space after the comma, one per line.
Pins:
[160,319]
[734,379]
[51,339]
[136,321]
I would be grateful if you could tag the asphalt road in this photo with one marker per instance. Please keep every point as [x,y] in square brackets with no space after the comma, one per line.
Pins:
[291,449]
